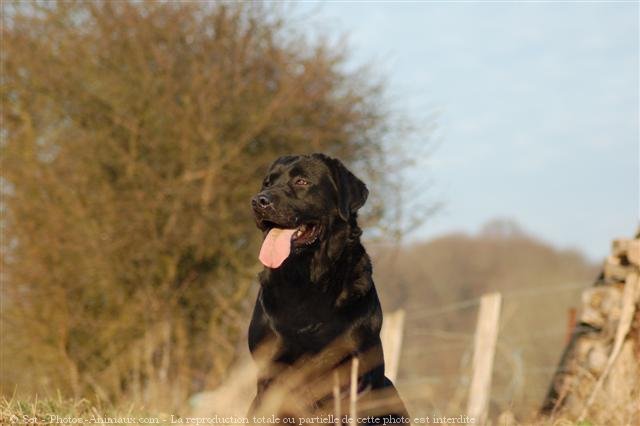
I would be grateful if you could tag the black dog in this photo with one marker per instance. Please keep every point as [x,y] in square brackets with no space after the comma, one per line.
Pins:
[317,307]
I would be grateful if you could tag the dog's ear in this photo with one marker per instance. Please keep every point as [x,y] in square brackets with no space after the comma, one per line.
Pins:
[352,192]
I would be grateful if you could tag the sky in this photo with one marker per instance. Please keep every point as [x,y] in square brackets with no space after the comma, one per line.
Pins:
[537,109]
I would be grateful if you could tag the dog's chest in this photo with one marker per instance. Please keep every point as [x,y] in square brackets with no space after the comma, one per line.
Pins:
[301,314]
[296,308]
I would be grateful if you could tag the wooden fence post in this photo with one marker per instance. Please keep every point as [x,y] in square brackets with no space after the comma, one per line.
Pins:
[483,353]
[572,315]
[391,336]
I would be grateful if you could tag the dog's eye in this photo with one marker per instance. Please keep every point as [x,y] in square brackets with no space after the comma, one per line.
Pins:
[301,182]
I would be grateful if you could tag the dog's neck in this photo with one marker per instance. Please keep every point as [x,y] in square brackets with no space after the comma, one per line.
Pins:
[339,262]
[309,289]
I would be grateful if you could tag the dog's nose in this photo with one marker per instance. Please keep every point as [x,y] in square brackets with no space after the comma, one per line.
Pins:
[261,200]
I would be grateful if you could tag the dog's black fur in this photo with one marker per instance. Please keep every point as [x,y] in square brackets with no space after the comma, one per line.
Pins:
[323,295]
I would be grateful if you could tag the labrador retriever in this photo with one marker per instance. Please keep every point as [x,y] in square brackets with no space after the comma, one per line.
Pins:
[317,307]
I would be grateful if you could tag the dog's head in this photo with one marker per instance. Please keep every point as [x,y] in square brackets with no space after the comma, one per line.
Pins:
[303,198]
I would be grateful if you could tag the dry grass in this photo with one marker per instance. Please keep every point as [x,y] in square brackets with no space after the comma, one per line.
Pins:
[58,410]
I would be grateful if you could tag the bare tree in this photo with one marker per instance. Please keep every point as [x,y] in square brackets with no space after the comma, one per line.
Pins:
[133,136]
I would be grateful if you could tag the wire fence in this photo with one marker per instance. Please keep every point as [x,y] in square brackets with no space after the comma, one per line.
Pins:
[435,367]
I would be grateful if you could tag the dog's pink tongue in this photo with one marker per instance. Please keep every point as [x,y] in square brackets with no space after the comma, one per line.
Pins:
[276,247]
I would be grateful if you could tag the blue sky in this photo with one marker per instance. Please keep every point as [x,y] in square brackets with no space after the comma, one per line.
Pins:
[537,103]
